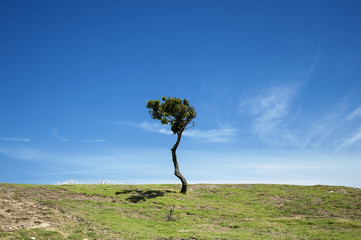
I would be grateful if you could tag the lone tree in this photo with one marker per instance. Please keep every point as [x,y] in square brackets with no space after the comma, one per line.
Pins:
[178,114]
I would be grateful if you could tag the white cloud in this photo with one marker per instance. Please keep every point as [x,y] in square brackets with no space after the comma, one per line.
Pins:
[273,104]
[91,156]
[270,111]
[55,133]
[15,139]
[25,153]
[276,122]
[356,113]
[352,140]
[334,129]
[214,135]
[312,68]
[153,127]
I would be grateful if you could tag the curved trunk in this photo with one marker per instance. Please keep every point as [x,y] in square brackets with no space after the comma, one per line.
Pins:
[176,167]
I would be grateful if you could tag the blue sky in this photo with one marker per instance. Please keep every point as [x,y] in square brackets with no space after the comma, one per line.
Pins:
[276,86]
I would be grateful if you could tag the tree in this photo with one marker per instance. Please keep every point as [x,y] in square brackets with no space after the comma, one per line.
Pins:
[178,114]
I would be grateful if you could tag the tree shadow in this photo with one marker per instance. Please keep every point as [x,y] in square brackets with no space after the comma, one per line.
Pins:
[142,195]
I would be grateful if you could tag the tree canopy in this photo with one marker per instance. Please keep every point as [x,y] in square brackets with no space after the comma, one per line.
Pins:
[173,111]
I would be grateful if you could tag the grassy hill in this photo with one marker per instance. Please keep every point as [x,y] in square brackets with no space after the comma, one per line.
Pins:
[244,211]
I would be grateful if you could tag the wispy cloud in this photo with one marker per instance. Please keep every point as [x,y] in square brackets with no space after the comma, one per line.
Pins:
[54,132]
[312,68]
[278,121]
[352,140]
[25,153]
[214,135]
[355,114]
[270,111]
[93,161]
[153,127]
[95,141]
[15,139]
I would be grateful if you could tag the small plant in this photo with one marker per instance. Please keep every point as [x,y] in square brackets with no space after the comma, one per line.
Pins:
[169,216]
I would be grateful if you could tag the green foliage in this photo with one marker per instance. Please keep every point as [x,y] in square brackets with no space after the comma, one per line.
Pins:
[173,111]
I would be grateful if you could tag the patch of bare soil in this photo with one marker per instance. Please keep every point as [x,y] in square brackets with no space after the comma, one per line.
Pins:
[18,212]
[28,207]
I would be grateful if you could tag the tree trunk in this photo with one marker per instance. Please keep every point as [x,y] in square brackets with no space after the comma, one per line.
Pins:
[176,167]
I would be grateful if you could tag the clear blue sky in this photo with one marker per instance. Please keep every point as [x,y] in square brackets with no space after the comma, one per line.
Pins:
[276,85]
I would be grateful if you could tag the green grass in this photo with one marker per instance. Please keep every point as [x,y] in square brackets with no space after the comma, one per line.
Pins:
[206,212]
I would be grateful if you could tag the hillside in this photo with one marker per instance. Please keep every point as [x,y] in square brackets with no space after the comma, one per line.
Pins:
[244,211]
